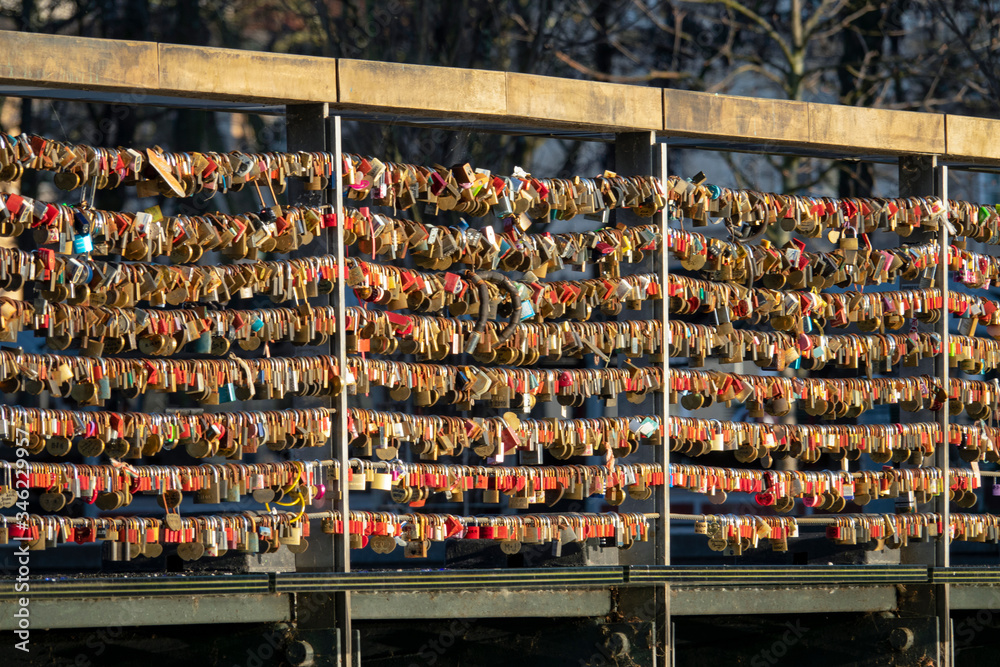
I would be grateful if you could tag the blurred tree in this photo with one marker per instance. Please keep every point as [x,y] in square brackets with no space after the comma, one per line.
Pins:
[972,28]
[847,51]
[910,54]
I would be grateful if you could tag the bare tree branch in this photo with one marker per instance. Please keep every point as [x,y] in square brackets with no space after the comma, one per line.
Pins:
[601,76]
[763,23]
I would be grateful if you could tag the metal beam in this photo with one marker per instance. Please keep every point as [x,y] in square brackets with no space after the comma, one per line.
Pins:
[450,579]
[797,600]
[686,600]
[964,596]
[368,605]
[137,585]
[502,603]
[727,576]
[128,612]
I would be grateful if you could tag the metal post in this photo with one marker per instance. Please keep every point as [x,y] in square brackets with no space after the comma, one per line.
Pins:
[638,154]
[306,129]
[916,179]
[663,524]
[920,176]
[942,454]
[634,156]
[343,563]
[311,128]
[665,398]
[342,541]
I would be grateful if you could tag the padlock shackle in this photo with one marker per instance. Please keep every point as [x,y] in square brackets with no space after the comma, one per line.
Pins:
[479,279]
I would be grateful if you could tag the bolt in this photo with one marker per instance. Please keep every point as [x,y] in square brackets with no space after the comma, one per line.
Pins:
[617,645]
[300,653]
[901,638]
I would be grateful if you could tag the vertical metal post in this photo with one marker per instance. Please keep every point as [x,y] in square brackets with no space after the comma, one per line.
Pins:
[664,408]
[916,179]
[342,541]
[638,154]
[311,128]
[942,453]
[306,130]
[635,156]
[663,523]
[343,551]
[920,176]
